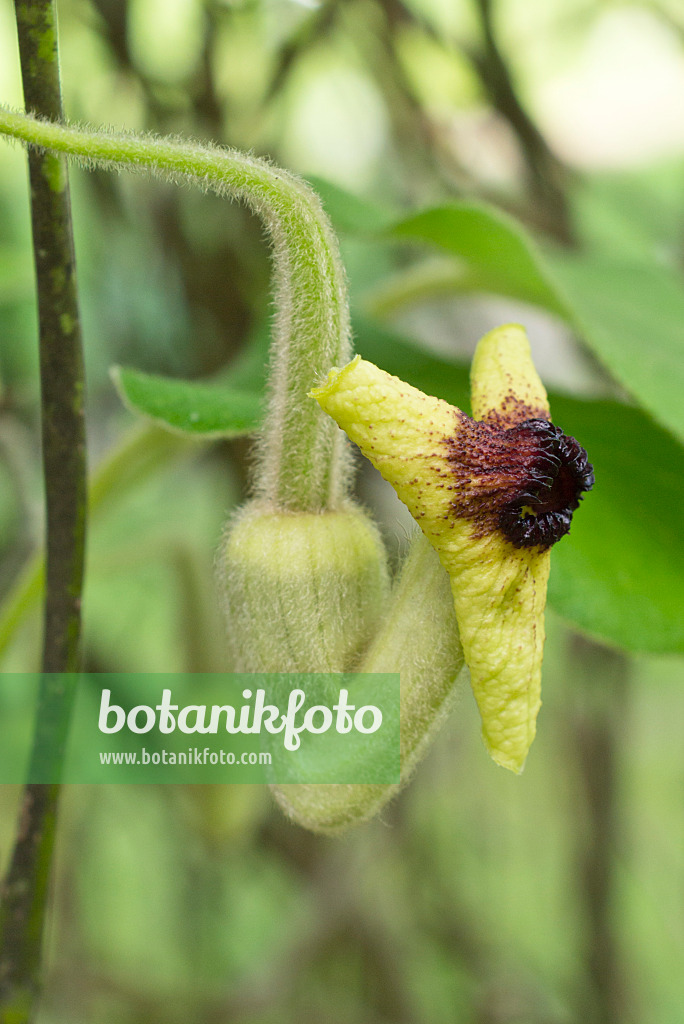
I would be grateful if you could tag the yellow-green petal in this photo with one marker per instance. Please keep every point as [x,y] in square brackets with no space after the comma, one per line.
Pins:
[499,589]
[399,429]
[499,596]
[503,380]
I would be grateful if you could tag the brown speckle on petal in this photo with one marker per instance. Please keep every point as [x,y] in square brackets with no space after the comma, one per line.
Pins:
[524,480]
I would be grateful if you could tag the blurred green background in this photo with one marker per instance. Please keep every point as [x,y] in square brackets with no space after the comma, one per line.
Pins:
[552,898]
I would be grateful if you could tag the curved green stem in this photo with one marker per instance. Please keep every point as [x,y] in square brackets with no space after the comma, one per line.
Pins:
[301,451]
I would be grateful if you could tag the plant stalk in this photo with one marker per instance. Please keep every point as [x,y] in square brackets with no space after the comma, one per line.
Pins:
[25,889]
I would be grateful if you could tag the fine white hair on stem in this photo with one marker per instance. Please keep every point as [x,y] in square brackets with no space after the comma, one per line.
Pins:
[301,456]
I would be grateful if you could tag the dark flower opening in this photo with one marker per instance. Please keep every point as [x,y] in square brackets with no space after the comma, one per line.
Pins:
[558,478]
[526,480]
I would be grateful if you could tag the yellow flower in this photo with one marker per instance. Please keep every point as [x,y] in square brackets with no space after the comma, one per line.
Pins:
[492,494]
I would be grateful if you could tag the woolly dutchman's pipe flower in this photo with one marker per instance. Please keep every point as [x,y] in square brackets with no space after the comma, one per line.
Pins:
[492,494]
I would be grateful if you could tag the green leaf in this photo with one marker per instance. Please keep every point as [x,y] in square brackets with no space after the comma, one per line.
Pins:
[200,410]
[635,213]
[501,257]
[619,575]
[632,316]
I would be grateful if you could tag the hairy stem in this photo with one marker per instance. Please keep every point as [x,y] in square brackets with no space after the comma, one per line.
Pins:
[25,889]
[301,451]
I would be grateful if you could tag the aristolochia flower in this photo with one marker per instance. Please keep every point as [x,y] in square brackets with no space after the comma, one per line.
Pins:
[492,494]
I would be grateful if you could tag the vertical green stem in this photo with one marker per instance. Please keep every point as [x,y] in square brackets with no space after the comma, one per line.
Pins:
[25,889]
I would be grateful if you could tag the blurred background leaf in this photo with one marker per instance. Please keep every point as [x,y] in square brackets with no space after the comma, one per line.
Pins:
[199,410]
[632,315]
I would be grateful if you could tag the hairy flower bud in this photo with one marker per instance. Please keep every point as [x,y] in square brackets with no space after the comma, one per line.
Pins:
[302,591]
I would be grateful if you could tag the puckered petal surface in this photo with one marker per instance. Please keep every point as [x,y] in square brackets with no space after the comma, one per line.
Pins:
[431,453]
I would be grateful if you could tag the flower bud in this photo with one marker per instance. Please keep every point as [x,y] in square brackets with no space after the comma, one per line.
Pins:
[302,591]
[418,638]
